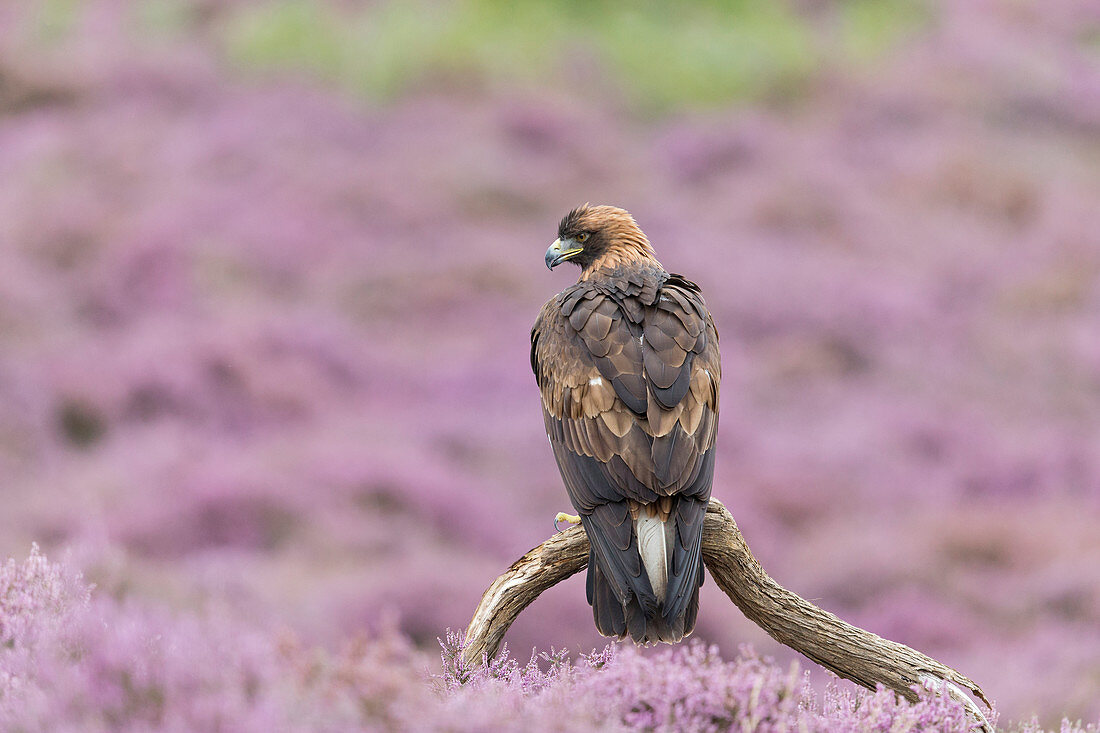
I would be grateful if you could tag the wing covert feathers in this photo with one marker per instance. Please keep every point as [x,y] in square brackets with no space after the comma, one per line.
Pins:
[629,373]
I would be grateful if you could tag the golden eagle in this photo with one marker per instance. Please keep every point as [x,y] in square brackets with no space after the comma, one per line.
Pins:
[627,363]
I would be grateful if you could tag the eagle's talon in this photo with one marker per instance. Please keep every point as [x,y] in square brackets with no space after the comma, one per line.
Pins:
[563,517]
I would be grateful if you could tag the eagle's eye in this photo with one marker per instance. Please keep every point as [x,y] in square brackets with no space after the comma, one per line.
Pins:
[580,238]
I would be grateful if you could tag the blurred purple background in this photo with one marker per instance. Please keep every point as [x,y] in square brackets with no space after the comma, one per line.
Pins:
[265,296]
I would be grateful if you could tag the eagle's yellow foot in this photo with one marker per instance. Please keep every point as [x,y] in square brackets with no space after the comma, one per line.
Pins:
[563,517]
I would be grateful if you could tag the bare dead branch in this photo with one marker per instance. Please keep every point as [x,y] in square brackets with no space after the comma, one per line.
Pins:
[853,653]
[547,565]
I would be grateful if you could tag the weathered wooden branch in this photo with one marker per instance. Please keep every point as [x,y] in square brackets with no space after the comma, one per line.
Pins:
[853,653]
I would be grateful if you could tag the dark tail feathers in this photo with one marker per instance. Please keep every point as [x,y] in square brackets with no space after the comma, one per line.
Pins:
[617,618]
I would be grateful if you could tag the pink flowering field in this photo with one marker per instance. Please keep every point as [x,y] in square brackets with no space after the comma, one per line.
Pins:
[267,422]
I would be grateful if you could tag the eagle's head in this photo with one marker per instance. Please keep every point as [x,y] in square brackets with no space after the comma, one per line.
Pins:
[590,236]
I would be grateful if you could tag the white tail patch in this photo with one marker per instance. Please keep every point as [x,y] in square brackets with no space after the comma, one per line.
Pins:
[654,551]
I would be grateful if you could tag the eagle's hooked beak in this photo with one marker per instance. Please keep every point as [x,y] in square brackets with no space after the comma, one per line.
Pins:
[560,251]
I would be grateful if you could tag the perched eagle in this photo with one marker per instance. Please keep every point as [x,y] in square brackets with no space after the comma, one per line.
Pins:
[627,363]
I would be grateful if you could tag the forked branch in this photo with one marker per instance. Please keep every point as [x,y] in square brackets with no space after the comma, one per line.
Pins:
[853,653]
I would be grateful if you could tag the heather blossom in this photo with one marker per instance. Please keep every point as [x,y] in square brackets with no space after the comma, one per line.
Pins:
[73,659]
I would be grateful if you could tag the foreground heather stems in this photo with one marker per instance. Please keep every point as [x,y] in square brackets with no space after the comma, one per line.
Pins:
[865,658]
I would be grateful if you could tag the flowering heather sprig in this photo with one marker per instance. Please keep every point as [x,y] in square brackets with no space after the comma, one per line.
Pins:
[31,590]
[36,599]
